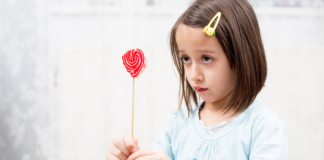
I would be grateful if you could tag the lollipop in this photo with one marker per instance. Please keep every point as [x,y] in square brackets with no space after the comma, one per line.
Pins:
[135,63]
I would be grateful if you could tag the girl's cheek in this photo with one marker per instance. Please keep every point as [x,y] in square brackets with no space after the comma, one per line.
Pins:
[187,71]
[186,76]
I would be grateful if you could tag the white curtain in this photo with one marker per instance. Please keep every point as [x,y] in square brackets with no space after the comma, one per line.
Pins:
[27,94]
[64,93]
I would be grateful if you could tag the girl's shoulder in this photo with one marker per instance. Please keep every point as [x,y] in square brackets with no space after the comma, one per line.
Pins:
[181,116]
[262,116]
[256,113]
[261,111]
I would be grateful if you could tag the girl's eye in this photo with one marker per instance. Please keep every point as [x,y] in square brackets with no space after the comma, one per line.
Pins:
[207,59]
[185,59]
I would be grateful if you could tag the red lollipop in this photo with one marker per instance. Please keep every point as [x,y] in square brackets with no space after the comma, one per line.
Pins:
[135,63]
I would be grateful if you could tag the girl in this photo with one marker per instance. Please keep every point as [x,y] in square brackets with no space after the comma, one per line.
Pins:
[226,70]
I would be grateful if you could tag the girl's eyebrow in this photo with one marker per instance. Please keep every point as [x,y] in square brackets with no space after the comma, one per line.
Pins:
[201,51]
[207,51]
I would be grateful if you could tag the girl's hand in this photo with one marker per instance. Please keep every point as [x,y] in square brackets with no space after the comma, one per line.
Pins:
[122,148]
[149,154]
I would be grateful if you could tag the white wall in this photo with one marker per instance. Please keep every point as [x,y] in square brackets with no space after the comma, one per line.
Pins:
[96,90]
[294,41]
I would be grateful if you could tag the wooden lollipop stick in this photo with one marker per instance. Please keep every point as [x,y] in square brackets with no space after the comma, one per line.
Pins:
[133,109]
[134,61]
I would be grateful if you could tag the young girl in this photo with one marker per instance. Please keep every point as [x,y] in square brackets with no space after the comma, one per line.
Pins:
[226,69]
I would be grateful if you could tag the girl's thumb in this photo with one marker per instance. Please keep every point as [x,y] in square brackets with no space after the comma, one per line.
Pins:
[136,142]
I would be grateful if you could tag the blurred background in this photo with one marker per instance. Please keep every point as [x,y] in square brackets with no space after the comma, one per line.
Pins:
[65,94]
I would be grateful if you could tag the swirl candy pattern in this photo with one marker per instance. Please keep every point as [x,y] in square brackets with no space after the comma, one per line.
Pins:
[134,61]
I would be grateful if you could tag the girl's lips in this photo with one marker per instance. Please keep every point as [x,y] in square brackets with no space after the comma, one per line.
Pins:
[198,89]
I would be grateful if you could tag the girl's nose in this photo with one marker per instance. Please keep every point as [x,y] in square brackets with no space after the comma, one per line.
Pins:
[196,73]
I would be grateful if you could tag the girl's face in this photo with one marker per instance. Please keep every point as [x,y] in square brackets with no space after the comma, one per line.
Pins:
[206,66]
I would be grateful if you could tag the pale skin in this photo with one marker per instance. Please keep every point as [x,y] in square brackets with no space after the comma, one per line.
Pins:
[206,66]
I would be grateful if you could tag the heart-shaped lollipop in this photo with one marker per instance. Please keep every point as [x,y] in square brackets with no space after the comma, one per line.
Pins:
[134,61]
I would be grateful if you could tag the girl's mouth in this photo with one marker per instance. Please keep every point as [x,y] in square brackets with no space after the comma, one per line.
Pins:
[199,89]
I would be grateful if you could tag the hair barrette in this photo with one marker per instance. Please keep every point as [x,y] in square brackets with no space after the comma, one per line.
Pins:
[211,31]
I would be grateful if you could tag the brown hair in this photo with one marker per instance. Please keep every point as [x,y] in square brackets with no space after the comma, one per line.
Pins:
[239,35]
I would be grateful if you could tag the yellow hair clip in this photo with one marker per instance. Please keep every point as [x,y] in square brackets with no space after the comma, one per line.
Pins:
[211,31]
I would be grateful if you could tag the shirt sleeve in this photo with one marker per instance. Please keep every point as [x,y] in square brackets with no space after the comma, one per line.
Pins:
[163,141]
[269,140]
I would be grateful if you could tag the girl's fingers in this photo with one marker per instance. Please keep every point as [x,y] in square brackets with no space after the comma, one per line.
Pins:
[111,157]
[120,144]
[117,153]
[130,144]
[150,157]
[136,142]
[141,153]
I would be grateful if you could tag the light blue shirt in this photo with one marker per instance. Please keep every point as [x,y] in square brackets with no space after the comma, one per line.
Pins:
[258,133]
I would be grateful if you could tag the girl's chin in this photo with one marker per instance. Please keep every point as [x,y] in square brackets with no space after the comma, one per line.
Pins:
[207,99]
[211,99]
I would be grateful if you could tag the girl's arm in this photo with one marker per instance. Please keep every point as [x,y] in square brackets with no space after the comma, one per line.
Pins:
[269,140]
[163,142]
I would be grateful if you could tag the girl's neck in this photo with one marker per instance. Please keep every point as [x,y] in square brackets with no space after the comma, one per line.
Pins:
[214,107]
[213,113]
[211,116]
[218,106]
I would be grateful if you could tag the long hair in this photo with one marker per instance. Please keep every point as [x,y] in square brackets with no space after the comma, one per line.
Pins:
[239,35]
